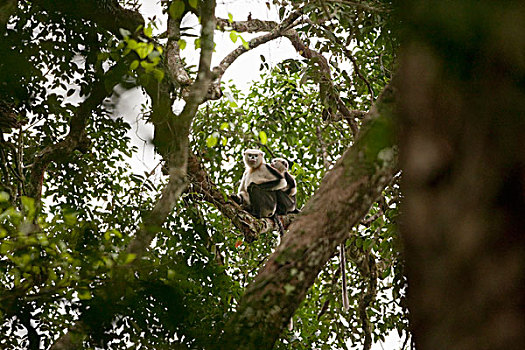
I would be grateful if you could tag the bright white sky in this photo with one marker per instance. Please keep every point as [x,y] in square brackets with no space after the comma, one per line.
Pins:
[242,72]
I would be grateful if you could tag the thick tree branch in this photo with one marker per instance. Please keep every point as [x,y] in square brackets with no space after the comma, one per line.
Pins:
[344,197]
[250,26]
[174,61]
[177,138]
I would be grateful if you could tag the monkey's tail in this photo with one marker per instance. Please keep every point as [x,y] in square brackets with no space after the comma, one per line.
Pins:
[277,220]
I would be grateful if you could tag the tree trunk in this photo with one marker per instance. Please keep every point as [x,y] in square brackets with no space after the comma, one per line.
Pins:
[343,199]
[462,143]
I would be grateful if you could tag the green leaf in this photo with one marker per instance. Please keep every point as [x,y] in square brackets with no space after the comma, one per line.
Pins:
[288,288]
[84,295]
[70,218]
[182,43]
[148,31]
[158,74]
[230,17]
[211,141]
[154,56]
[148,67]
[281,12]
[129,258]
[193,3]
[263,137]
[224,126]
[4,196]
[245,44]
[176,9]
[132,44]
[233,36]
[29,206]
[124,32]
[197,43]
[134,65]
[144,49]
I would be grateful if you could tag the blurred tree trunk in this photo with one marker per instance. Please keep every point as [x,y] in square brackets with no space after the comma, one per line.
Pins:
[462,141]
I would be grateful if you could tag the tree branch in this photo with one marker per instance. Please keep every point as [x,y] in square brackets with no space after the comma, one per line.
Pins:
[254,25]
[173,59]
[276,32]
[250,26]
[344,197]
[325,82]
[175,151]
[76,139]
[250,227]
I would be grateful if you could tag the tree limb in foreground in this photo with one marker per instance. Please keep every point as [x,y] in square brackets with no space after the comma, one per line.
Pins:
[343,199]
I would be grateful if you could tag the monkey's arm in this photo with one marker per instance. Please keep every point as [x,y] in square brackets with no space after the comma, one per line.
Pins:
[291,184]
[242,197]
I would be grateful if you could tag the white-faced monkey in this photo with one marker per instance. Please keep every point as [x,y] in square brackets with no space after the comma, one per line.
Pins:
[259,185]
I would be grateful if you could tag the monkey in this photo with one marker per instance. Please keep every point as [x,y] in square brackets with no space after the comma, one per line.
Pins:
[286,201]
[259,185]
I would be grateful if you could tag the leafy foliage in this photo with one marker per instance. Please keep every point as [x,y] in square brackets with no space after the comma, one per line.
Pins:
[55,255]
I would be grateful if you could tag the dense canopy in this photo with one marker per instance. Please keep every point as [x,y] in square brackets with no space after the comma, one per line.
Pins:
[97,253]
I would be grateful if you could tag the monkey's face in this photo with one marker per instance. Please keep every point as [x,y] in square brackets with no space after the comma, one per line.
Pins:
[253,158]
[280,164]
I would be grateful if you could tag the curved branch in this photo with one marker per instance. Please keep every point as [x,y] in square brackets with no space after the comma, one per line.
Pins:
[276,32]
[284,29]
[325,82]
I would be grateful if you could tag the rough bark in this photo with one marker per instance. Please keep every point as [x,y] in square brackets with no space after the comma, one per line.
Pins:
[463,158]
[343,199]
